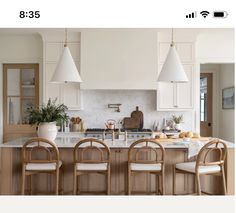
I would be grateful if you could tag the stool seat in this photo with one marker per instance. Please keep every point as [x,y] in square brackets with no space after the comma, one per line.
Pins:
[145,167]
[92,166]
[190,167]
[42,166]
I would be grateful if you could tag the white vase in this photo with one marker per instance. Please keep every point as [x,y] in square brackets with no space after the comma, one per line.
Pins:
[178,126]
[47,130]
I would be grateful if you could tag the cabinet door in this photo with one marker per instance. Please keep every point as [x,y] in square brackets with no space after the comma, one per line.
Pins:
[185,90]
[52,90]
[184,49]
[165,96]
[71,96]
[176,96]
[186,52]
[119,166]
[53,51]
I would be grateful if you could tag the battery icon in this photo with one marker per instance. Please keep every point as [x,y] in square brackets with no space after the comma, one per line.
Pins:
[220,14]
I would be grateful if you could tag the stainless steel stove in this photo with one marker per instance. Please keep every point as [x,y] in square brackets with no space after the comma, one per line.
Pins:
[116,133]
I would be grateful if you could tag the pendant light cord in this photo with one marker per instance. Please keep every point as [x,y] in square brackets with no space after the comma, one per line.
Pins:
[65,45]
[172,38]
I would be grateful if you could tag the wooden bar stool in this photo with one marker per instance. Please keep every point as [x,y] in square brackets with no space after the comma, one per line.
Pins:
[204,165]
[154,165]
[100,165]
[33,164]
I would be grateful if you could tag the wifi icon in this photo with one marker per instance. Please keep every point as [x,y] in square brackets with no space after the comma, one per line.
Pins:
[204,13]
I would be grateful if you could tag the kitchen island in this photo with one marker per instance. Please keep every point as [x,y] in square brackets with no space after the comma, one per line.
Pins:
[176,152]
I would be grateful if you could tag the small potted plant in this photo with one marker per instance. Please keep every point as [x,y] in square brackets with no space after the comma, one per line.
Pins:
[177,120]
[46,117]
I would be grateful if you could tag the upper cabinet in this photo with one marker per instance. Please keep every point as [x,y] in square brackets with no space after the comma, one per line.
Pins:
[119,59]
[184,49]
[177,96]
[68,93]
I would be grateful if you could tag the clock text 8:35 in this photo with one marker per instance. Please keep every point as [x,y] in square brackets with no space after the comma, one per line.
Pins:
[29,14]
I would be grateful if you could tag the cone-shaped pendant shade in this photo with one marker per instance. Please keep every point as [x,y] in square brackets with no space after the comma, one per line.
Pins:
[172,70]
[66,70]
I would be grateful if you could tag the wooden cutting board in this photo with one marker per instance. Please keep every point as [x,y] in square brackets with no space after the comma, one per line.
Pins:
[131,123]
[138,115]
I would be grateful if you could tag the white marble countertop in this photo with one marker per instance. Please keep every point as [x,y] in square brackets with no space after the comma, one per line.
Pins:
[70,139]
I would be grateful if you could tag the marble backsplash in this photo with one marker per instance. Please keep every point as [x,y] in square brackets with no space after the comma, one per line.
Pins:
[96,112]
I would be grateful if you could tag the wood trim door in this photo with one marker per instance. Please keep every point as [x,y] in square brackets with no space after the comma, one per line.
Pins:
[206,113]
[16,130]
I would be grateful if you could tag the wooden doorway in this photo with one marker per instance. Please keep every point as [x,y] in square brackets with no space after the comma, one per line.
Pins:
[206,104]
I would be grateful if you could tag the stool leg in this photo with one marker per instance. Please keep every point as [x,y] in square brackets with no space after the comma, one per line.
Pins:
[78,185]
[163,182]
[108,182]
[129,181]
[223,180]
[30,179]
[174,179]
[23,182]
[75,181]
[198,184]
[61,173]
[157,184]
[57,181]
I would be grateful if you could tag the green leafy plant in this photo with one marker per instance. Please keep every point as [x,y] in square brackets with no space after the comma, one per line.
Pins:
[51,112]
[177,119]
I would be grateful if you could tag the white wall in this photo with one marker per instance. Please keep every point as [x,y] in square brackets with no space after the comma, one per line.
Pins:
[18,49]
[226,116]
[215,46]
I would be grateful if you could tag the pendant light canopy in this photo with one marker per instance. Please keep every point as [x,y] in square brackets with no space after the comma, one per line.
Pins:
[66,70]
[172,70]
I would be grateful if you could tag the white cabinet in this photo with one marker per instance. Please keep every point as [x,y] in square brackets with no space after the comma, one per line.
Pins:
[69,93]
[184,49]
[119,59]
[177,96]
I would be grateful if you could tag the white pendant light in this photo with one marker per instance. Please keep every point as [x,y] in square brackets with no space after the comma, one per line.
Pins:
[172,70]
[66,70]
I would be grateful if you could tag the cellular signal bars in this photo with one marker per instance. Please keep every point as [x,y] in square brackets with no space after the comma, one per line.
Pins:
[192,15]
